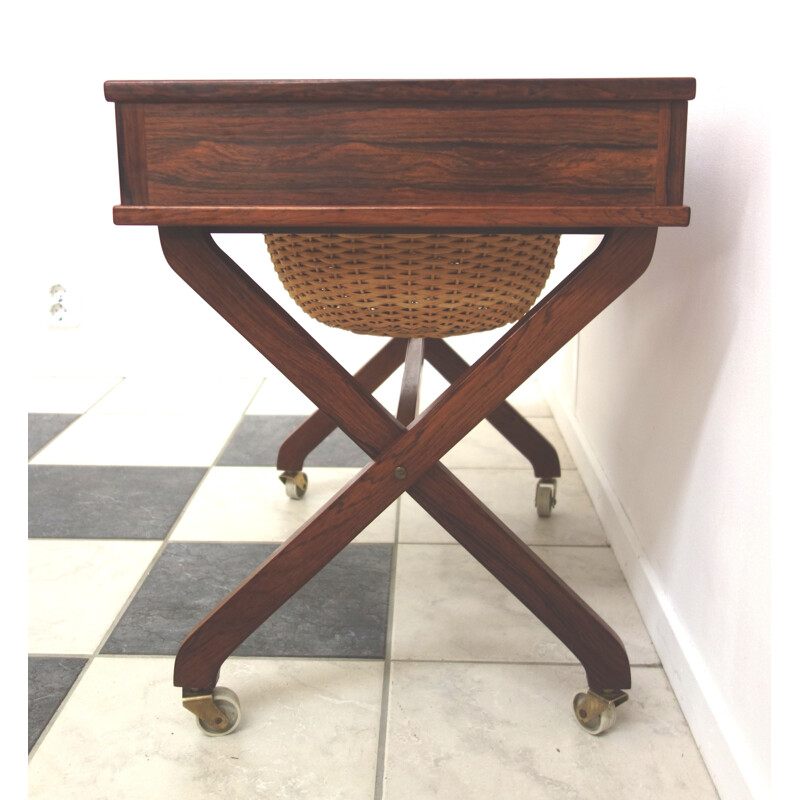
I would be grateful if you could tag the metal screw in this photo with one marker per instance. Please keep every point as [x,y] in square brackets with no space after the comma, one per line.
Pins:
[400,473]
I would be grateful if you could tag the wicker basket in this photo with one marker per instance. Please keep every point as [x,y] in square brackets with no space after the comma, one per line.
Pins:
[413,285]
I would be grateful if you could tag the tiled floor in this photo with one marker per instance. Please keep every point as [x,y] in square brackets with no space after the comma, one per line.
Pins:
[403,671]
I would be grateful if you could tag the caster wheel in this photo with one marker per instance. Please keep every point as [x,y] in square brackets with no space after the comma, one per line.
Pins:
[545,497]
[227,701]
[595,712]
[295,484]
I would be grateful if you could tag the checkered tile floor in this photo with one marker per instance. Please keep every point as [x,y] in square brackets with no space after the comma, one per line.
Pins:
[403,670]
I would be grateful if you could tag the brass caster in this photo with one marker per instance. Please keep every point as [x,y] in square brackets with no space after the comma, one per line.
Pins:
[545,496]
[597,711]
[218,712]
[295,484]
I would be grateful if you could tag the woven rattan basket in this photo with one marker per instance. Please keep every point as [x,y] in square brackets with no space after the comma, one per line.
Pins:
[413,285]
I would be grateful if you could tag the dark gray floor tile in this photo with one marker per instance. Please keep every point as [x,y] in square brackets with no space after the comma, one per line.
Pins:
[87,502]
[341,612]
[49,680]
[42,428]
[258,439]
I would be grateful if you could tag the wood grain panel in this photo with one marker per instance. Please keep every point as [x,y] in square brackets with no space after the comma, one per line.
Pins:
[344,155]
[598,124]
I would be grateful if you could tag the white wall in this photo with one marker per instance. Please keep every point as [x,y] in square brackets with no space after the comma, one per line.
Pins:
[670,403]
[664,400]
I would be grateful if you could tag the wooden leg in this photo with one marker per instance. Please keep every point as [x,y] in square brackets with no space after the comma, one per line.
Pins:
[286,571]
[311,432]
[527,577]
[322,537]
[505,419]
[408,405]
[406,459]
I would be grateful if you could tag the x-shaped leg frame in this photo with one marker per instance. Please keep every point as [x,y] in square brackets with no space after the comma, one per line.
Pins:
[406,458]
[506,420]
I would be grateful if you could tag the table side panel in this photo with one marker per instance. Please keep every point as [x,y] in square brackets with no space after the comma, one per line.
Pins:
[133,172]
[348,154]
[677,151]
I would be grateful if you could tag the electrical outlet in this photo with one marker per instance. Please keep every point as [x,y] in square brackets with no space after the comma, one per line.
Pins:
[63,308]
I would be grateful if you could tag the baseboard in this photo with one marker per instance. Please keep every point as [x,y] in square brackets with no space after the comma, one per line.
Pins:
[706,712]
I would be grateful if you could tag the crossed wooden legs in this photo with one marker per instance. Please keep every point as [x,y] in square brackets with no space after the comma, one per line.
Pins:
[513,426]
[406,458]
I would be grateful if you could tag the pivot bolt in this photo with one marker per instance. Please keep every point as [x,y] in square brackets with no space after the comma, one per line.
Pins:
[400,473]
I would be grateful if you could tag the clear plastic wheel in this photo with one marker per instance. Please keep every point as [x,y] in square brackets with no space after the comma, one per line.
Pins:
[597,713]
[545,497]
[226,701]
[295,484]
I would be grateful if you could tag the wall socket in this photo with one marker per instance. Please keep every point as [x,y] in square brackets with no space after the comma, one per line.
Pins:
[64,309]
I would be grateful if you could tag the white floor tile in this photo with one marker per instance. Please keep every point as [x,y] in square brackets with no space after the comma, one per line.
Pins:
[485,448]
[277,396]
[76,588]
[249,504]
[463,731]
[57,395]
[139,440]
[309,730]
[447,606]
[228,397]
[511,494]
